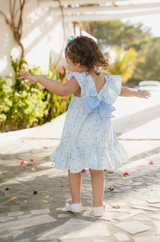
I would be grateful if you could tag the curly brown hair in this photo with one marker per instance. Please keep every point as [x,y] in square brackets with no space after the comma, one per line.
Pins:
[85,51]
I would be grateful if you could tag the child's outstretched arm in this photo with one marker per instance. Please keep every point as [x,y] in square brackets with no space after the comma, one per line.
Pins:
[133,92]
[57,88]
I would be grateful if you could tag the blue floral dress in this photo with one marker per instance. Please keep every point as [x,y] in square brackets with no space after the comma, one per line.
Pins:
[88,140]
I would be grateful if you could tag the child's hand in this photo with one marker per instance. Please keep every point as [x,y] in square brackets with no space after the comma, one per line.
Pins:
[27,75]
[143,93]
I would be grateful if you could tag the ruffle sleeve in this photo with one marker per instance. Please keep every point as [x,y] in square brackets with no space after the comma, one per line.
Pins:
[113,88]
[80,77]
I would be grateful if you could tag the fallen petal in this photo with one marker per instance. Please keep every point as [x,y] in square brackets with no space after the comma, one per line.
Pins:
[45,147]
[115,206]
[22,140]
[13,199]
[31,159]
[34,169]
[84,170]
[126,174]
[105,170]
[6,188]
[151,163]
[31,151]
[22,162]
[111,188]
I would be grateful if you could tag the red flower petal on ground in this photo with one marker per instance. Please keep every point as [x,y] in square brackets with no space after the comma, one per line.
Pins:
[6,188]
[31,151]
[22,140]
[31,159]
[84,170]
[22,162]
[126,174]
[151,163]
[45,147]
[41,167]
[33,138]
[105,170]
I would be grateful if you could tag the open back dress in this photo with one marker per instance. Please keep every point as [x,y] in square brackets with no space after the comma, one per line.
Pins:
[88,139]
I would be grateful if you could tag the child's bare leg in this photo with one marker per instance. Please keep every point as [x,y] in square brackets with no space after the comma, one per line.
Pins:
[98,184]
[75,181]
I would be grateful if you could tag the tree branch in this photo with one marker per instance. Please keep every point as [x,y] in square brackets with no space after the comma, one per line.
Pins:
[20,8]
[14,4]
[6,19]
[19,26]
[63,31]
[12,13]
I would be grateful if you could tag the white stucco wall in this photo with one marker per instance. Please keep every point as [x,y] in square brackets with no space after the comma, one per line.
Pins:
[42,35]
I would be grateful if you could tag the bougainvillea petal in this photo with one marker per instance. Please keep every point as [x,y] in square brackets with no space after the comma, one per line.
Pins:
[31,159]
[6,188]
[45,147]
[105,170]
[84,170]
[151,163]
[31,151]
[22,162]
[126,174]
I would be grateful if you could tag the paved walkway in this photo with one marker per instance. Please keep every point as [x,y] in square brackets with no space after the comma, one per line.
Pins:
[38,214]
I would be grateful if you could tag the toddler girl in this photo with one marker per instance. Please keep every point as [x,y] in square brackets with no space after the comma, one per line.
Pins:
[88,139]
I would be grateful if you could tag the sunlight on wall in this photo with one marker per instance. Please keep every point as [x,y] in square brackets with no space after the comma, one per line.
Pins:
[42,35]
[27,41]
[3,63]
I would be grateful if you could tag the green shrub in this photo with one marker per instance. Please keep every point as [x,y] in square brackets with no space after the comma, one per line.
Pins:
[5,100]
[23,106]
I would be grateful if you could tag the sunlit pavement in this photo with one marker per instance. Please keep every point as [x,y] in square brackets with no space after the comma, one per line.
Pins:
[42,217]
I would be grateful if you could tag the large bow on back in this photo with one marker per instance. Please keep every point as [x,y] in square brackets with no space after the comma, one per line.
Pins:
[105,110]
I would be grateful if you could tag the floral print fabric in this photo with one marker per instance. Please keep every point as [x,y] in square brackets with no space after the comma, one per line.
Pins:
[89,141]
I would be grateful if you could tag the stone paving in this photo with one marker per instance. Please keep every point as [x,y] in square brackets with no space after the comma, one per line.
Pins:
[38,214]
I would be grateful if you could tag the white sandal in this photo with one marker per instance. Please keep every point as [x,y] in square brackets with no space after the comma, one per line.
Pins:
[99,211]
[75,208]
